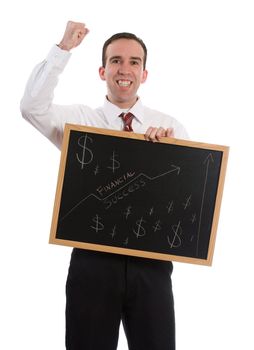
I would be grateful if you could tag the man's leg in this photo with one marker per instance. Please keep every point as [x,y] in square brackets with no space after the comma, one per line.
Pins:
[148,317]
[94,292]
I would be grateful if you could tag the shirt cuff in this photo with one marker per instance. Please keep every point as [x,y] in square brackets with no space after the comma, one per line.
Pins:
[58,57]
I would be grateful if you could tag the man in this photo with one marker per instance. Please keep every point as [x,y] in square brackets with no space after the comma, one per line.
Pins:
[103,289]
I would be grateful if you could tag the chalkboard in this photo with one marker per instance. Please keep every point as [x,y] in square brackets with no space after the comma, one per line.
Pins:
[119,193]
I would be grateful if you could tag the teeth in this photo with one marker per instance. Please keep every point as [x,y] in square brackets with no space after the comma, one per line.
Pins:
[124,83]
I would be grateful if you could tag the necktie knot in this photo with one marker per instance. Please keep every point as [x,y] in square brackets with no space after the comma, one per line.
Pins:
[127,119]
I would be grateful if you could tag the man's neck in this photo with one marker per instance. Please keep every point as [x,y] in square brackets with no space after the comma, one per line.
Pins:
[123,105]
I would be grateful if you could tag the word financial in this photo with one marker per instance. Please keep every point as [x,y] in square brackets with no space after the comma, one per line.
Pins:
[102,190]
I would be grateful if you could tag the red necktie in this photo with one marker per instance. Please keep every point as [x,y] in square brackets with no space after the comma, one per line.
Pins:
[127,119]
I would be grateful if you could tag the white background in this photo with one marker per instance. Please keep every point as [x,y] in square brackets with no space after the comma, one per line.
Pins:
[200,64]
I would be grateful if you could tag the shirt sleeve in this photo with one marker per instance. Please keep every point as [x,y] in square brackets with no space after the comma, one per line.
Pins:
[180,132]
[37,103]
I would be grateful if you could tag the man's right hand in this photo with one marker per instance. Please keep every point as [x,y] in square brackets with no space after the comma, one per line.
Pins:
[73,36]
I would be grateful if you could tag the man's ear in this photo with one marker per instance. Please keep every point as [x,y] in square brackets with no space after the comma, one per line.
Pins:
[102,73]
[144,77]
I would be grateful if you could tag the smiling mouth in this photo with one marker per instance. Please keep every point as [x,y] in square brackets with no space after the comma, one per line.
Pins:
[124,83]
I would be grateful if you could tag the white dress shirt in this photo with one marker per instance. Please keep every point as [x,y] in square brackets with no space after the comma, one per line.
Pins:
[38,108]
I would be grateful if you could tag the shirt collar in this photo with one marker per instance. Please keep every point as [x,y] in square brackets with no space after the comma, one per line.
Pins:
[112,111]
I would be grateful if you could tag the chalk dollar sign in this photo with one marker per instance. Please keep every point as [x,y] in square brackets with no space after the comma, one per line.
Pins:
[176,241]
[115,163]
[86,153]
[157,226]
[140,230]
[98,224]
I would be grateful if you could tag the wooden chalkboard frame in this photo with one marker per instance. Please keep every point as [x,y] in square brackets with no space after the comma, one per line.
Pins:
[123,250]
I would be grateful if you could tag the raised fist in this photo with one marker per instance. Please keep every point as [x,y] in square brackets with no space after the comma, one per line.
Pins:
[73,36]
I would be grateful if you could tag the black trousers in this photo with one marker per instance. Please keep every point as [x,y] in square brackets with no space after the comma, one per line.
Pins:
[102,289]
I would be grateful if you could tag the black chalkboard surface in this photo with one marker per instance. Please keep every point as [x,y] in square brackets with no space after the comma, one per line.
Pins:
[121,194]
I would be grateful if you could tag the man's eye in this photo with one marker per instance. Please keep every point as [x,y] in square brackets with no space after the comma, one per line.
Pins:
[115,61]
[133,63]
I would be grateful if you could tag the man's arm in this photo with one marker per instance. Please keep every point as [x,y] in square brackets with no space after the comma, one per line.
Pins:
[37,103]
[38,94]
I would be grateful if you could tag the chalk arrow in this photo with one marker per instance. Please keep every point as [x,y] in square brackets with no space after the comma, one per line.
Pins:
[207,161]
[176,168]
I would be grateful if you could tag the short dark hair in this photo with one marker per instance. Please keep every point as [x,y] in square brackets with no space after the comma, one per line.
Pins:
[123,35]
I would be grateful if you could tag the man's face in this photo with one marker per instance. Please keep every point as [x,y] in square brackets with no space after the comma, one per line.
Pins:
[123,71]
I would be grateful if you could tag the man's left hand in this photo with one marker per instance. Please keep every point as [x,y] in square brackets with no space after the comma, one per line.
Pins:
[156,134]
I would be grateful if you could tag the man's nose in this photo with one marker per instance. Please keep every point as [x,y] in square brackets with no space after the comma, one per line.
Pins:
[124,68]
